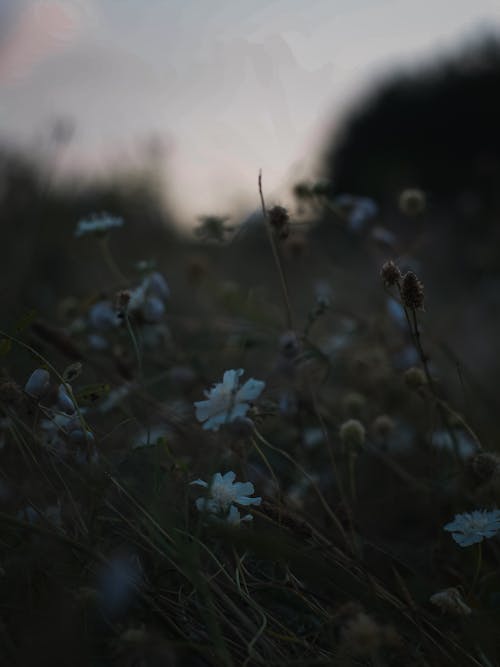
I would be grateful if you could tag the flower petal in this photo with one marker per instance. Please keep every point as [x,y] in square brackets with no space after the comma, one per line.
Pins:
[250,390]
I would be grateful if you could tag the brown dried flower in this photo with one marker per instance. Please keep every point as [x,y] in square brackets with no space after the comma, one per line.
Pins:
[390,273]
[484,466]
[412,292]
[279,221]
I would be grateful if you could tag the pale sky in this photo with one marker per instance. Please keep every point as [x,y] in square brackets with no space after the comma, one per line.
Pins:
[230,86]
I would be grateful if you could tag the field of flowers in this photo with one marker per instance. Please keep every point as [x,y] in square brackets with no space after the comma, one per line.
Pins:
[244,447]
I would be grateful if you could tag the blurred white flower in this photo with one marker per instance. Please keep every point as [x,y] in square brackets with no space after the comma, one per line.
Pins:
[153,309]
[444,441]
[223,491]
[38,383]
[97,224]
[359,210]
[473,527]
[226,400]
[148,299]
[234,517]
[157,286]
[102,316]
[450,600]
[115,397]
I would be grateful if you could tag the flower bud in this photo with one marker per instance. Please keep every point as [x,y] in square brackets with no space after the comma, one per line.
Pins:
[484,466]
[382,427]
[64,400]
[38,383]
[415,378]
[412,292]
[153,310]
[352,434]
[390,274]
[412,201]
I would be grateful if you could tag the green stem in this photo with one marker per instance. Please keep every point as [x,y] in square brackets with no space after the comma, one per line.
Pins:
[479,562]
[109,260]
[277,259]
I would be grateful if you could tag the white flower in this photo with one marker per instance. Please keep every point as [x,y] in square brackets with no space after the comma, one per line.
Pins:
[157,286]
[450,600]
[223,491]
[98,224]
[102,316]
[38,383]
[444,441]
[226,401]
[473,527]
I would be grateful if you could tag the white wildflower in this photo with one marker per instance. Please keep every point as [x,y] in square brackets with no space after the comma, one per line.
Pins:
[473,527]
[450,601]
[97,224]
[223,494]
[226,401]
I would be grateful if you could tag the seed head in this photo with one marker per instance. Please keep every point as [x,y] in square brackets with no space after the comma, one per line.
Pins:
[352,434]
[412,201]
[390,273]
[353,404]
[415,378]
[279,221]
[362,635]
[484,466]
[122,300]
[412,292]
[383,426]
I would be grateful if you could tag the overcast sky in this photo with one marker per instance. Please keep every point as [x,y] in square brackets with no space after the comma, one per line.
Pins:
[229,86]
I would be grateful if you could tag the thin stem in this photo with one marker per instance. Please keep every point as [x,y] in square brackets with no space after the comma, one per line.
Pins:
[479,562]
[109,259]
[277,259]
[311,481]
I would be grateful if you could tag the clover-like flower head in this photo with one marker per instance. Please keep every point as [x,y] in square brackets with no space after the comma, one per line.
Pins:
[227,401]
[473,527]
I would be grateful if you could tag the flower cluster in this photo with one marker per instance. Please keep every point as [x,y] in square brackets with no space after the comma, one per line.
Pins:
[223,496]
[62,419]
[227,401]
[147,301]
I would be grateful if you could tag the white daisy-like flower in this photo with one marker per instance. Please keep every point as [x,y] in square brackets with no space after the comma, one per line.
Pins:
[223,494]
[473,527]
[97,224]
[226,401]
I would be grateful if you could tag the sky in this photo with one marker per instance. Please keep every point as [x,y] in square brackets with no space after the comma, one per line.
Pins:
[227,87]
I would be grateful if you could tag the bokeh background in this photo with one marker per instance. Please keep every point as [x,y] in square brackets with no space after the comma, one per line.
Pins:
[165,114]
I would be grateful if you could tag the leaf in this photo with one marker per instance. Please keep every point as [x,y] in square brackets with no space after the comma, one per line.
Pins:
[72,372]
[92,393]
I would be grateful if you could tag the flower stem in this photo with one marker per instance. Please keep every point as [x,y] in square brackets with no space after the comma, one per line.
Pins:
[479,562]
[277,259]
